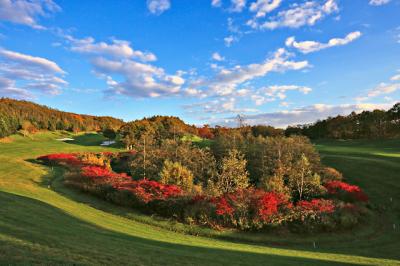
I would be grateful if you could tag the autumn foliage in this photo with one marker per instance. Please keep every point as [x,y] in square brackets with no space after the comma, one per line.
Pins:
[246,208]
[346,190]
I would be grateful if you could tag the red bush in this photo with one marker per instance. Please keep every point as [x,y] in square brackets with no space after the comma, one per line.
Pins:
[248,208]
[335,187]
[148,190]
[316,205]
[268,205]
[68,158]
[96,172]
[223,207]
[205,132]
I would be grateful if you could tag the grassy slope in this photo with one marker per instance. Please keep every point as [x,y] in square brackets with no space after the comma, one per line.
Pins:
[40,225]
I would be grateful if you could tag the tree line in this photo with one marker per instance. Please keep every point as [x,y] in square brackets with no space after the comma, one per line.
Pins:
[376,124]
[30,117]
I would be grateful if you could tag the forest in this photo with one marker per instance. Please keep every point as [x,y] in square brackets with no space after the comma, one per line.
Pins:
[29,117]
[376,124]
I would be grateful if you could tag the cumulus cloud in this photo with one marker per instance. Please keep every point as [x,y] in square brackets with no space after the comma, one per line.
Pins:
[304,115]
[378,2]
[125,70]
[307,13]
[21,74]
[116,49]
[262,7]
[157,7]
[139,79]
[312,46]
[26,12]
[217,57]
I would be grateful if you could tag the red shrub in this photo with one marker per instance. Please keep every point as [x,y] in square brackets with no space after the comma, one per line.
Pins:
[68,158]
[316,205]
[96,172]
[223,207]
[268,205]
[148,190]
[355,192]
[205,132]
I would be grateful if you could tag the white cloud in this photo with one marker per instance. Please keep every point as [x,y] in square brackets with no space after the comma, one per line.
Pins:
[139,79]
[381,89]
[378,2]
[217,107]
[33,61]
[312,46]
[117,49]
[26,12]
[127,71]
[237,5]
[276,92]
[8,89]
[395,78]
[307,13]
[262,7]
[216,3]
[304,115]
[229,40]
[158,7]
[226,80]
[217,57]
[21,74]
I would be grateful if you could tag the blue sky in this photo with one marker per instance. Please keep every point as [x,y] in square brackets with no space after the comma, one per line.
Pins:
[275,62]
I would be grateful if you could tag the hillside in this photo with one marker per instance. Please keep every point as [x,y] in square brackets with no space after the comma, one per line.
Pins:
[16,115]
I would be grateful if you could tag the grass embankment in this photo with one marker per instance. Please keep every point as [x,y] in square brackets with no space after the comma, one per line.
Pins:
[43,222]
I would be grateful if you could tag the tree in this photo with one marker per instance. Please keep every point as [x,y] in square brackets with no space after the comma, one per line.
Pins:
[233,174]
[302,181]
[276,183]
[173,173]
[109,133]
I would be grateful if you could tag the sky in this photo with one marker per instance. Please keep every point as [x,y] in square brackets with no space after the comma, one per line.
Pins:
[276,62]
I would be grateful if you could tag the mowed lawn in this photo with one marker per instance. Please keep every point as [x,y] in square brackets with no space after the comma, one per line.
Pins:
[41,222]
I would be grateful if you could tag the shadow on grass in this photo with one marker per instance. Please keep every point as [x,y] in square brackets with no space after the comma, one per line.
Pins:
[34,232]
[344,242]
[92,139]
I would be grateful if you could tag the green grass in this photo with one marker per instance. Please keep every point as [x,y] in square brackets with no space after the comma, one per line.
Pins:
[42,222]
[200,142]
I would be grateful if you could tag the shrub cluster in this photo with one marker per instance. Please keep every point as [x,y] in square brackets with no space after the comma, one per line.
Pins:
[246,208]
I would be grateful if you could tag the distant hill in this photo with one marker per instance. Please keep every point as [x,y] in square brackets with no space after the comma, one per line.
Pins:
[376,124]
[23,115]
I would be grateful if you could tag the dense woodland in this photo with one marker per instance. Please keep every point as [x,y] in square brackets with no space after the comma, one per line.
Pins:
[377,124]
[30,117]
